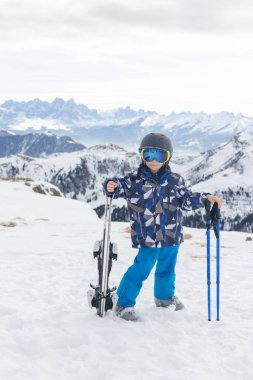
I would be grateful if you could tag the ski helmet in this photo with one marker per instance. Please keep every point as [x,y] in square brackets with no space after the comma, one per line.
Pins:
[157,140]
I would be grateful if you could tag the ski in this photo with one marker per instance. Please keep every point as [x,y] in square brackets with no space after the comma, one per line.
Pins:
[101,296]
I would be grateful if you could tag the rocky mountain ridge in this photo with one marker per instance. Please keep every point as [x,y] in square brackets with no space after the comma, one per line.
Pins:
[193,132]
[36,144]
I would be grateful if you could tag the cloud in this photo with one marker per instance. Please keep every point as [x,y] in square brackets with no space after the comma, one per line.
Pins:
[179,15]
[180,54]
[83,20]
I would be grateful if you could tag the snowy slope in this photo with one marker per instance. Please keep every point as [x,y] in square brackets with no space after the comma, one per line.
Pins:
[227,172]
[229,164]
[48,332]
[78,174]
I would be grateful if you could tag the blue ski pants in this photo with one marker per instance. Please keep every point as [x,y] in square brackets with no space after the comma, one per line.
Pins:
[164,285]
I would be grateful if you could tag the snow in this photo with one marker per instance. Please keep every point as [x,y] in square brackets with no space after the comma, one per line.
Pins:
[91,126]
[46,168]
[218,163]
[48,332]
[38,124]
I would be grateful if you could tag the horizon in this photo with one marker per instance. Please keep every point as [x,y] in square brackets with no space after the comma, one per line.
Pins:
[136,109]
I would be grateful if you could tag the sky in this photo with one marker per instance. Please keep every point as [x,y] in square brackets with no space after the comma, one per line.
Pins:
[162,55]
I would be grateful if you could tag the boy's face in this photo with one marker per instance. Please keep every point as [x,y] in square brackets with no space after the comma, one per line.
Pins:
[154,166]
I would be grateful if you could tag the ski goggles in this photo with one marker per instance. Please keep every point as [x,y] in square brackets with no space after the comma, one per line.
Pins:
[155,154]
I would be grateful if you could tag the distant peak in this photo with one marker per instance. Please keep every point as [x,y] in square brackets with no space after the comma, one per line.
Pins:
[103,147]
[243,137]
[47,133]
[3,132]
[58,100]
[71,101]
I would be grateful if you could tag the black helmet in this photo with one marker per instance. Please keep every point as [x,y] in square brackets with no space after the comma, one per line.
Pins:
[157,140]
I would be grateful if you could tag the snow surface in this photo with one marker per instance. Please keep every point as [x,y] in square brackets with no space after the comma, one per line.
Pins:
[48,332]
[38,124]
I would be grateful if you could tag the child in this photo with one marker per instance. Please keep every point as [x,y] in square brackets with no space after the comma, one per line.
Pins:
[155,197]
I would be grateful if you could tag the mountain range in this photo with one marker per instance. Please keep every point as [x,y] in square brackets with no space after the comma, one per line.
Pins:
[36,144]
[225,171]
[190,132]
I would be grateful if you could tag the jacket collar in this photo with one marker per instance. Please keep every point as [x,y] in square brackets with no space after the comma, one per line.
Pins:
[145,173]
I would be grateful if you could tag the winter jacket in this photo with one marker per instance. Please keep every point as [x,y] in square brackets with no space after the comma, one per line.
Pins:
[155,204]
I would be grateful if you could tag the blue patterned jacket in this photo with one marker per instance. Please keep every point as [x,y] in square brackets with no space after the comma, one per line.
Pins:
[155,203]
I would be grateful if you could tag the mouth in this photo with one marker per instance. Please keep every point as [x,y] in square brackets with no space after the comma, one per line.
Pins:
[154,163]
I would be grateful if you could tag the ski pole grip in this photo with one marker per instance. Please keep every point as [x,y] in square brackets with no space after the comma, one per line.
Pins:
[208,208]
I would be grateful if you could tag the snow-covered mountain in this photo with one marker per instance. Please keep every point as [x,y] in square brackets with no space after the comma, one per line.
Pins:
[224,171]
[58,109]
[227,172]
[48,329]
[122,126]
[36,144]
[79,175]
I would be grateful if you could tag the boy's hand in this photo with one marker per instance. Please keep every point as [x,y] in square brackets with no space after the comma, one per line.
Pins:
[213,199]
[111,185]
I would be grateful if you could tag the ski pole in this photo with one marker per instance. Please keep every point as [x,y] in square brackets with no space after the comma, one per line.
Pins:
[208,257]
[215,218]
[218,265]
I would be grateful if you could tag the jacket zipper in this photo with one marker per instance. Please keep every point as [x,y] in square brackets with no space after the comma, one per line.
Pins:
[154,206]
[140,225]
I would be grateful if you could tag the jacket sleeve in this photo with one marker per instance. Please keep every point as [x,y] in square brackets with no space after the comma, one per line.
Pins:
[120,191]
[188,200]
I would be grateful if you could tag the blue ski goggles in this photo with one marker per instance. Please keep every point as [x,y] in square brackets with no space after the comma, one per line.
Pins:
[155,154]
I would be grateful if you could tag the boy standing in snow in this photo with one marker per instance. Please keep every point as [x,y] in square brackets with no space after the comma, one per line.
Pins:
[155,197]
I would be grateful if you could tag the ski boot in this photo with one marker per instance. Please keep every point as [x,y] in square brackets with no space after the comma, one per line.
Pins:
[127,313]
[172,301]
